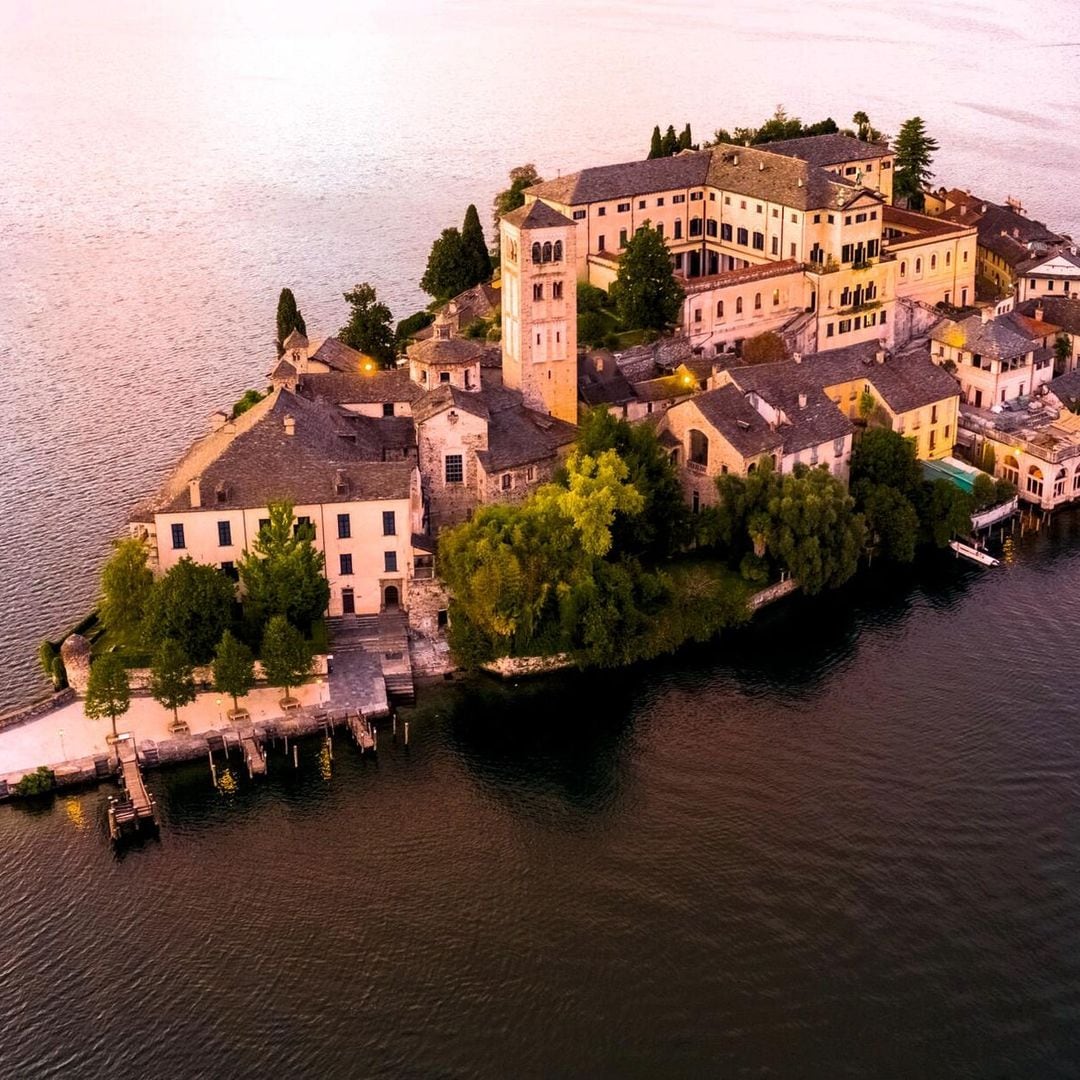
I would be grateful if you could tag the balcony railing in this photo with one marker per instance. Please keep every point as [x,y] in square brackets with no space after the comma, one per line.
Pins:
[696,467]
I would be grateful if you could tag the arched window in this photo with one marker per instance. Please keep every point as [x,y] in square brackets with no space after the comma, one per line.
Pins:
[1076,479]
[699,447]
[933,262]
[1035,482]
[918,266]
[776,298]
[1059,483]
[536,253]
[719,309]
[738,305]
[757,301]
[903,269]
[547,251]
[557,251]
[948,258]
[752,467]
[1010,470]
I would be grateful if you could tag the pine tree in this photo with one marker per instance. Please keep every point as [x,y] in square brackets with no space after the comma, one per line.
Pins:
[370,327]
[108,692]
[915,151]
[645,291]
[656,146]
[288,318]
[234,668]
[172,678]
[670,143]
[474,248]
[686,140]
[286,656]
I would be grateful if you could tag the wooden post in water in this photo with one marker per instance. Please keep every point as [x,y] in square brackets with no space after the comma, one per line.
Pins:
[295,756]
[213,771]
[406,732]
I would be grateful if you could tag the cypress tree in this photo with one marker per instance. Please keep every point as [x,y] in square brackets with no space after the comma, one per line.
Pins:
[288,318]
[915,151]
[656,147]
[686,140]
[474,248]
[671,141]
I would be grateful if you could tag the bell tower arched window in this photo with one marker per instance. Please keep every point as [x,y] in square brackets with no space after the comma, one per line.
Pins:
[536,253]
[557,254]
[547,251]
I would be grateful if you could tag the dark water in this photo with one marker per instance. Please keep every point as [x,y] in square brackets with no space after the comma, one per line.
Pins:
[842,843]
[166,168]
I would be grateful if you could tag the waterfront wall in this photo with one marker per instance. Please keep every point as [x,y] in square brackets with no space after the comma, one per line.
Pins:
[37,708]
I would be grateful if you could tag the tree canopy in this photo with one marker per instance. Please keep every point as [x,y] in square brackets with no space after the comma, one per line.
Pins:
[172,680]
[288,318]
[108,692]
[286,656]
[370,326]
[126,582]
[915,151]
[284,573]
[234,668]
[410,326]
[458,260]
[779,126]
[521,177]
[767,348]
[645,292]
[475,247]
[191,605]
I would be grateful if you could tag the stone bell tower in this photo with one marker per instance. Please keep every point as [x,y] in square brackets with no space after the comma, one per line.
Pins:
[539,308]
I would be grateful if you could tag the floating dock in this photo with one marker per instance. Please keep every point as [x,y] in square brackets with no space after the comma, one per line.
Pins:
[136,807]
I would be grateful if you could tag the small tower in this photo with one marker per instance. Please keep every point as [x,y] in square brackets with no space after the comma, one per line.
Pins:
[295,350]
[539,308]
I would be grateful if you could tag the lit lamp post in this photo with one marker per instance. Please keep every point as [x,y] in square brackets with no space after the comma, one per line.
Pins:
[219,711]
[63,752]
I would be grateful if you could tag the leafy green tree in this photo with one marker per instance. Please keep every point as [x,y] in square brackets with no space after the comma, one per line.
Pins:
[234,668]
[191,605]
[592,329]
[126,582]
[670,142]
[449,267]
[590,297]
[662,527]
[370,326]
[767,348]
[411,325]
[645,291]
[521,177]
[474,248]
[172,678]
[108,692]
[891,522]
[885,457]
[865,131]
[656,145]
[915,151]
[984,492]
[1062,351]
[284,573]
[286,656]
[945,512]
[686,140]
[288,318]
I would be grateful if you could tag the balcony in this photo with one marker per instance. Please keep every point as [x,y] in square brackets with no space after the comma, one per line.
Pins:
[697,467]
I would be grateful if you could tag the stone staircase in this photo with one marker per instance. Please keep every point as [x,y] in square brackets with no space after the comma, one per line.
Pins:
[386,636]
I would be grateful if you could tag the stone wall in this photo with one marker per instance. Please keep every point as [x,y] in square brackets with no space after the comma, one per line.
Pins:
[450,432]
[38,708]
[512,667]
[427,597]
[912,319]
[139,678]
[772,594]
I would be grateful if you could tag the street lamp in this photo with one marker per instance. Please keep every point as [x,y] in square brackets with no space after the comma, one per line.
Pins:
[63,752]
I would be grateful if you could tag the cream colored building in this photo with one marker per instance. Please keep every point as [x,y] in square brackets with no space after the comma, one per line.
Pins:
[865,163]
[1052,276]
[935,258]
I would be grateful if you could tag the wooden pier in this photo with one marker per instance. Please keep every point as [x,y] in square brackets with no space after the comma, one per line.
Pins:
[254,754]
[136,807]
[363,733]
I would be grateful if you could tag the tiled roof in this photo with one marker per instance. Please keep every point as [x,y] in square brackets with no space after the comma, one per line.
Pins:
[337,355]
[282,370]
[444,397]
[439,351]
[520,436]
[744,275]
[1056,310]
[728,411]
[665,388]
[1066,253]
[260,463]
[359,388]
[295,340]
[604,182]
[830,149]
[537,215]
[920,225]
[1067,387]
[1006,232]
[1031,328]
[906,380]
[810,424]
[997,338]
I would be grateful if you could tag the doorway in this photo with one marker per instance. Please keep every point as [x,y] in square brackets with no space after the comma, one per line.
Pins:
[348,602]
[390,598]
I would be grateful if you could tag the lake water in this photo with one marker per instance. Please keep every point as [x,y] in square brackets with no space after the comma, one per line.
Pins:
[167,168]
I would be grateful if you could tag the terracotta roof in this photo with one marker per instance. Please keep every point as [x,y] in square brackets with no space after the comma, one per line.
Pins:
[359,388]
[728,411]
[1035,329]
[830,149]
[1057,310]
[537,215]
[742,276]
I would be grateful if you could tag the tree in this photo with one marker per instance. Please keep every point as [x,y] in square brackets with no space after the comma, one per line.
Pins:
[126,581]
[286,656]
[369,329]
[984,491]
[234,668]
[410,326]
[864,130]
[172,679]
[656,145]
[448,267]
[645,291]
[1062,351]
[686,140]
[670,142]
[592,328]
[191,605]
[108,692]
[288,318]
[915,151]
[891,521]
[945,512]
[886,457]
[283,574]
[767,348]
[474,248]
[521,177]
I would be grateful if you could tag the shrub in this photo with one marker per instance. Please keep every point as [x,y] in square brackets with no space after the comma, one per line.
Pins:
[40,782]
[476,330]
[57,673]
[611,341]
[251,397]
[47,653]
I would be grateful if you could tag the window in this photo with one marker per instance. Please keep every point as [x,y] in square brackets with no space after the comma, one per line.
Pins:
[346,565]
[678,261]
[738,305]
[918,266]
[847,219]
[660,229]
[579,215]
[624,207]
[390,562]
[869,167]
[178,536]
[1059,483]
[742,204]
[846,252]
[507,481]
[264,523]
[1035,481]
[743,236]
[832,219]
[933,262]
[817,219]
[776,298]
[719,309]
[757,301]
[678,198]
[965,256]
[776,245]
[886,164]
[622,238]
[444,376]
[725,231]
[660,201]
[530,474]
[851,170]
[388,408]
[948,258]
[903,269]
[538,291]
[556,290]
[230,571]
[557,251]
[699,447]
[710,227]
[794,219]
[844,326]
[599,243]
[224,534]
[873,213]
[695,226]
[933,439]
[760,208]
[793,249]
[697,314]
[536,253]
[813,455]
[455,472]
[775,212]
[933,414]
[1010,470]
[829,330]
[678,229]
[344,527]
[727,200]
[389,523]
[641,204]
[860,218]
[696,196]
[602,211]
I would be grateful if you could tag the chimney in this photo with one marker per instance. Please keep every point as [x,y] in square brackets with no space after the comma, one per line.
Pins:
[802,400]
[797,357]
[734,159]
[195,493]
[879,356]
[290,425]
[800,181]
[761,166]
[983,209]
[1039,311]
[963,209]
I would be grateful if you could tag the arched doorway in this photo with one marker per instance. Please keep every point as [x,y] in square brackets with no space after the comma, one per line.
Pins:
[391,598]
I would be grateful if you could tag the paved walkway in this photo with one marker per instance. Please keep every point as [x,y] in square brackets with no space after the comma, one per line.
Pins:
[67,734]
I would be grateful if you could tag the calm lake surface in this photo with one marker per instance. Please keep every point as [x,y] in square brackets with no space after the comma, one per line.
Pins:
[842,843]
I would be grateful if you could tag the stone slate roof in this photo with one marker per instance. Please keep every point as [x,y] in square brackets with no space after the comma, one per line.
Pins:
[537,215]
[728,411]
[604,182]
[1067,387]
[261,463]
[1026,326]
[826,150]
[607,386]
[479,302]
[920,225]
[1006,232]
[519,436]
[1056,310]
[816,422]
[295,340]
[359,388]
[1066,253]
[445,396]
[997,338]
[446,351]
[743,275]
[905,380]
[282,371]
[338,356]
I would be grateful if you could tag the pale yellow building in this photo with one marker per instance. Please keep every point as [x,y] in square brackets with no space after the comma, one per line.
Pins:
[935,258]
